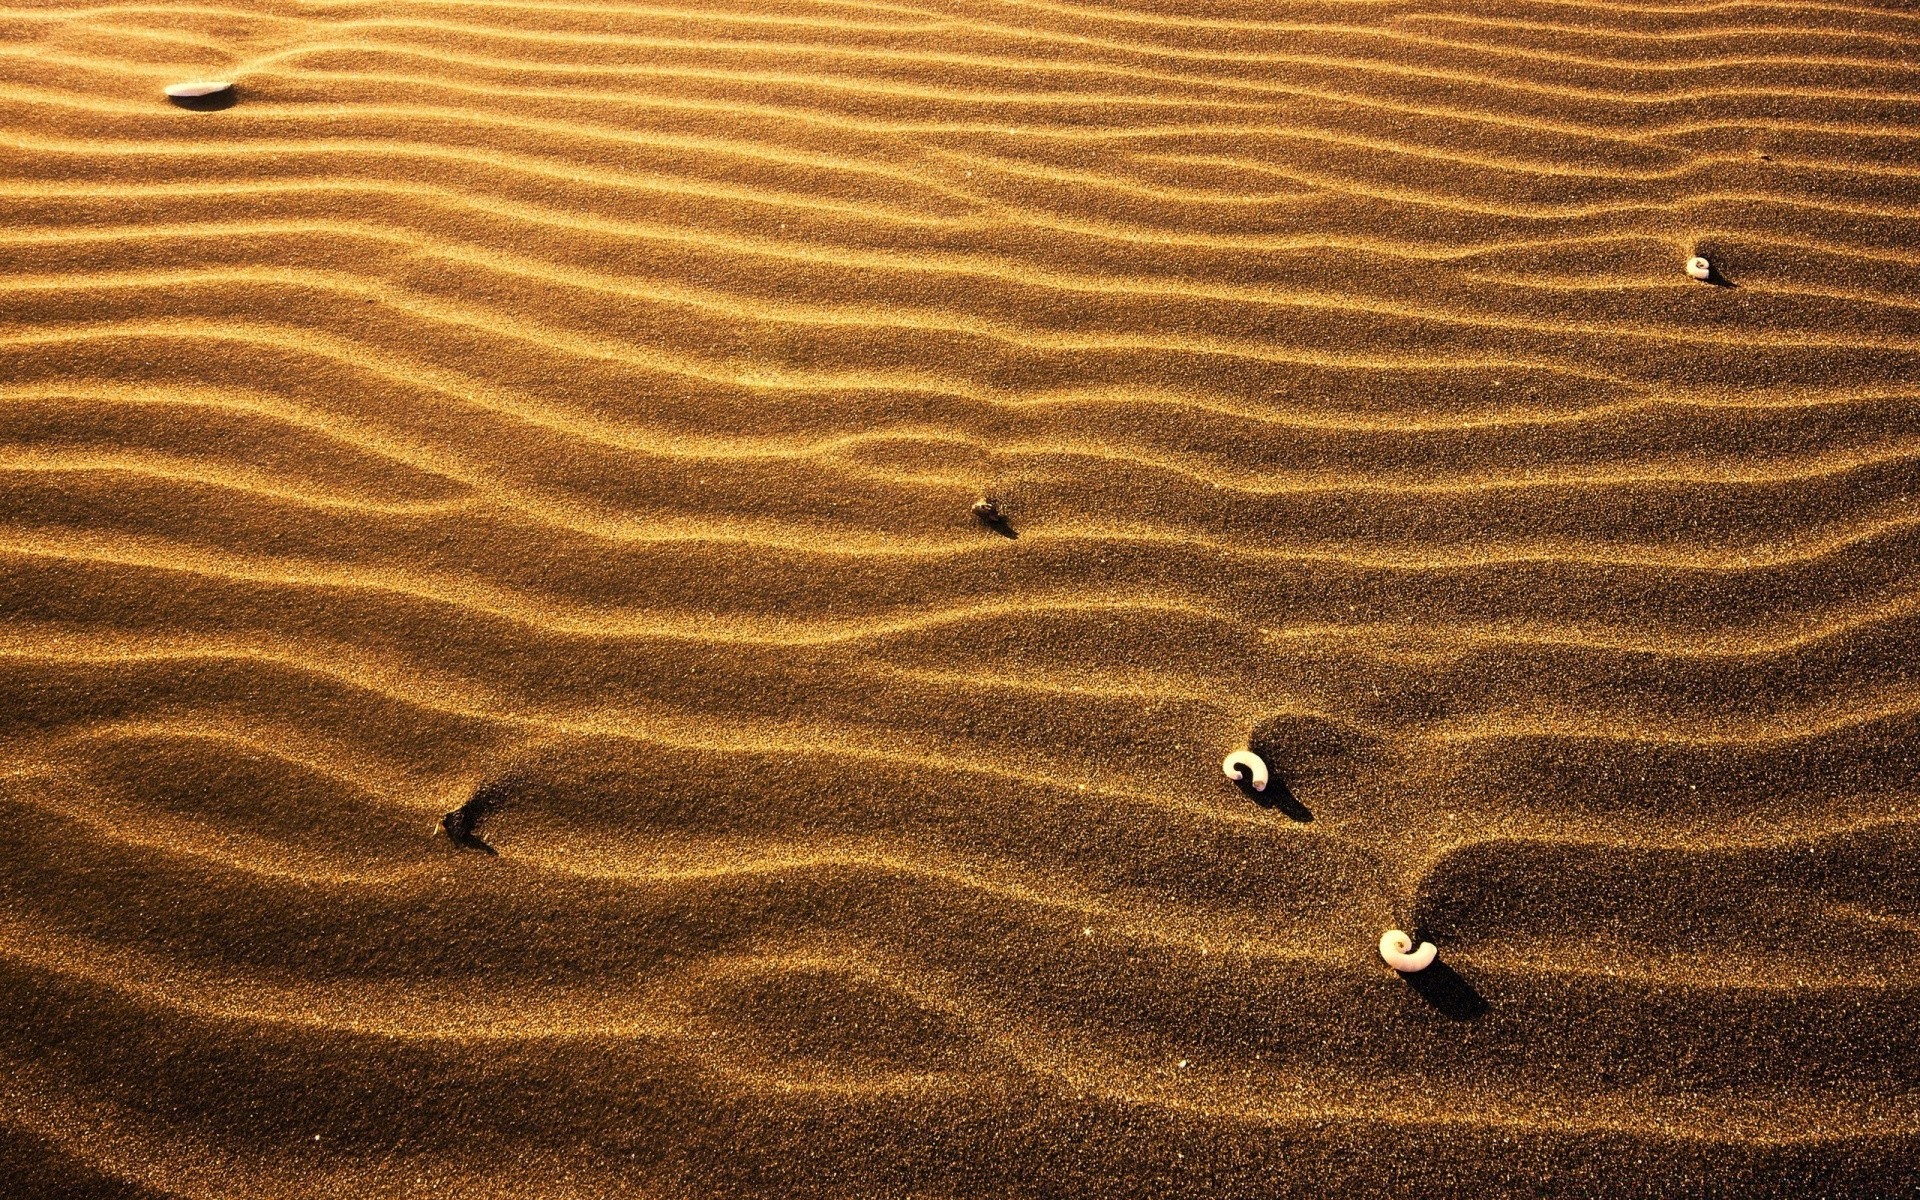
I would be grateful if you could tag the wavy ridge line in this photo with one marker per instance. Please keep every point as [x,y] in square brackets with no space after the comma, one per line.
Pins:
[736,306]
[672,728]
[579,173]
[417,375]
[945,21]
[1134,917]
[1081,1069]
[761,377]
[822,118]
[1619,33]
[1659,475]
[1160,923]
[966,265]
[775,152]
[1172,926]
[649,532]
[348,429]
[1042,66]
[1092,12]
[200,473]
[1078,12]
[474,596]
[297,748]
[1327,181]
[377,150]
[449,386]
[661,360]
[234,850]
[1799,832]
[1720,969]
[657,726]
[849,256]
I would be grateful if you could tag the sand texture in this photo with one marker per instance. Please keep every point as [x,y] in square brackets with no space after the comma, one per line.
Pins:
[579,406]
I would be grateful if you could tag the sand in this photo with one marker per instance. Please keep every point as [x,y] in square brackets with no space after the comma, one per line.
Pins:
[581,405]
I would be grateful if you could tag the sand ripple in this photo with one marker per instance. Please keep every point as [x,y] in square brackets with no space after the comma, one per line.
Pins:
[585,401]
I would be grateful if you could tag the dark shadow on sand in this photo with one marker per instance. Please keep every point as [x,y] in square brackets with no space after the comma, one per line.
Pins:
[462,825]
[1278,797]
[1441,986]
[1000,526]
[213,103]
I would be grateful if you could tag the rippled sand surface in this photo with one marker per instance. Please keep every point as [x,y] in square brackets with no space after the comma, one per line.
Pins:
[580,404]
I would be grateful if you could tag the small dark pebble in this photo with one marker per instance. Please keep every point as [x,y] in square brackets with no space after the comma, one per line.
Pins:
[458,824]
[462,825]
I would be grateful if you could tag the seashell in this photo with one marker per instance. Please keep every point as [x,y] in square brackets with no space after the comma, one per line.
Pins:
[1699,268]
[1248,761]
[198,88]
[1397,949]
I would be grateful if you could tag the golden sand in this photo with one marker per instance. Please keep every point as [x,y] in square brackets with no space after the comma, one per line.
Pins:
[582,405]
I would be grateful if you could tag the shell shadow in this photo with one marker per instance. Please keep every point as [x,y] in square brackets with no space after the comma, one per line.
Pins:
[1278,796]
[1715,276]
[1450,995]
[213,103]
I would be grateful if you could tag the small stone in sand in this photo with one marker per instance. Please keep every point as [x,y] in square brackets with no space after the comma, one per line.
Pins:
[457,824]
[198,88]
[988,510]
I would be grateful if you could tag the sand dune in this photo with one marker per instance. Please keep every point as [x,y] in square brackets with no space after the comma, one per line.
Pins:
[581,404]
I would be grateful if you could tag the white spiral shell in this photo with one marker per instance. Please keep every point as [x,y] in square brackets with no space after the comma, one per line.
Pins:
[1699,268]
[196,88]
[1397,949]
[1251,763]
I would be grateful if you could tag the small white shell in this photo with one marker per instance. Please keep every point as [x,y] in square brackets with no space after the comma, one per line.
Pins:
[197,88]
[1397,949]
[1699,268]
[1247,760]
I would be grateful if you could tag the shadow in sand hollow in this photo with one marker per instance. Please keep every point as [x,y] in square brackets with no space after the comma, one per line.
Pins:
[1441,986]
[462,824]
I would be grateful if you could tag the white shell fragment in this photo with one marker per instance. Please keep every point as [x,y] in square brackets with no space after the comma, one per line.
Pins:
[1699,268]
[1248,761]
[1397,949]
[198,88]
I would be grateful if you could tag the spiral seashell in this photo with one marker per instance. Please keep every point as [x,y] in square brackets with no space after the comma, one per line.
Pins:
[1397,949]
[1248,761]
[1699,268]
[198,88]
